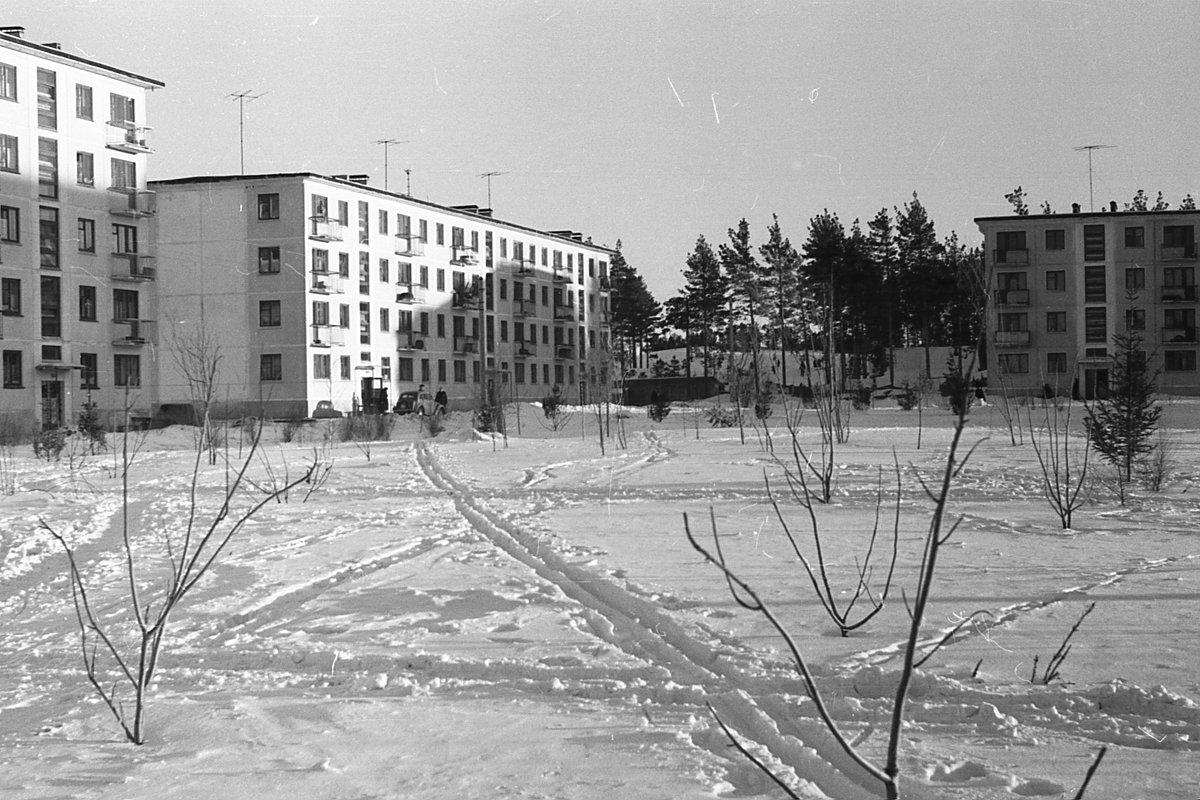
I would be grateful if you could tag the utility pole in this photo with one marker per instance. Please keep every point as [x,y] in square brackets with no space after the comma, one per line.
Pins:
[243,97]
[387,143]
[489,176]
[1090,148]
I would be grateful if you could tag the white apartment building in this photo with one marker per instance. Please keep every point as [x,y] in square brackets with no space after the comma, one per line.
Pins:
[318,288]
[76,272]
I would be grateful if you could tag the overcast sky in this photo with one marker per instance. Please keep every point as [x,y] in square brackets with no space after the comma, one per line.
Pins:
[654,122]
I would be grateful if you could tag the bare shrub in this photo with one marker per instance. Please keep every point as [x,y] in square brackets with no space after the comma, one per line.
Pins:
[1064,466]
[1051,671]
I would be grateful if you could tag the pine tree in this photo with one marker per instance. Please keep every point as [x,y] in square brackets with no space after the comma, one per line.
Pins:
[745,285]
[1122,425]
[783,290]
[635,312]
[924,286]
[707,291]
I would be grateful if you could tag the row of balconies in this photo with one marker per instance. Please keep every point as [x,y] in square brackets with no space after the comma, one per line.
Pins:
[1171,335]
[128,137]
[411,341]
[126,333]
[1166,252]
[1167,294]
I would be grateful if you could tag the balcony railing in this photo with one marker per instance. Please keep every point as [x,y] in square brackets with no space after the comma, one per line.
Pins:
[564,352]
[408,294]
[564,314]
[1010,256]
[409,244]
[461,254]
[605,284]
[133,267]
[326,283]
[1179,335]
[326,335]
[1180,252]
[132,332]
[133,203]
[1179,294]
[128,137]
[324,229]
[1012,338]
[1012,297]
[524,349]
[523,266]
[562,274]
[466,344]
[466,297]
[523,308]
[409,340]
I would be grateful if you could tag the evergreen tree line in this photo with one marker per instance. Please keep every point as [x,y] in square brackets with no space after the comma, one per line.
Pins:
[846,298]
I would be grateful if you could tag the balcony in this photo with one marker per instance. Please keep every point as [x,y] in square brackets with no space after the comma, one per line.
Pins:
[326,335]
[409,244]
[1012,338]
[408,294]
[132,267]
[466,297]
[1178,334]
[564,314]
[128,137]
[523,267]
[564,352]
[1020,257]
[524,349]
[561,274]
[1179,294]
[324,229]
[605,284]
[132,332]
[407,341]
[1180,252]
[1012,297]
[461,254]
[133,203]
[466,344]
[524,308]
[326,283]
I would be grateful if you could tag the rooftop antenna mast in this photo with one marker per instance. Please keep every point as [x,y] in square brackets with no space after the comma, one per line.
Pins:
[387,143]
[489,176]
[243,97]
[407,182]
[1090,148]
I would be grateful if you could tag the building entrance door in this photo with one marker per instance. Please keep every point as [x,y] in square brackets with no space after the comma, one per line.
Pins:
[52,404]
[1095,384]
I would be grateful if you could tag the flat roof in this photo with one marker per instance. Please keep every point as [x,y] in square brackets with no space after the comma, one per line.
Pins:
[348,184]
[1087,214]
[12,40]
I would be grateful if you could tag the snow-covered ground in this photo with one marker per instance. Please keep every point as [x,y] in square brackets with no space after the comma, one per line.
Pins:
[457,617]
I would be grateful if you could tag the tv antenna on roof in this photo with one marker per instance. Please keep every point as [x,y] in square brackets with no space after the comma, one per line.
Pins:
[489,176]
[1090,148]
[386,143]
[243,97]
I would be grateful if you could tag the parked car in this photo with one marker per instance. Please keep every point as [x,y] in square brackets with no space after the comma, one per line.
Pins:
[420,403]
[325,410]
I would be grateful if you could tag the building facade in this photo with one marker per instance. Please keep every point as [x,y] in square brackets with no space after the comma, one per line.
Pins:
[316,288]
[76,266]
[1062,284]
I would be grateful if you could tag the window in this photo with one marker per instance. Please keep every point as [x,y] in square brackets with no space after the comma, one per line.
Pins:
[364,222]
[1093,242]
[441,280]
[1094,285]
[124,175]
[364,273]
[1179,324]
[85,169]
[125,304]
[8,82]
[320,260]
[1095,325]
[504,330]
[344,315]
[83,101]
[125,239]
[1173,361]
[1056,239]
[503,289]
[1056,280]
[268,206]
[423,230]
[47,168]
[269,314]
[1056,321]
[385,367]
[268,260]
[343,212]
[344,367]
[270,367]
[87,303]
[121,110]
[344,265]
[48,237]
[383,222]
[441,370]
[460,371]
[385,320]
[320,313]
[423,281]
[1135,278]
[441,326]
[1135,236]
[10,160]
[127,370]
[1180,236]
[1011,363]
[1135,319]
[10,297]
[1056,363]
[383,270]
[404,370]
[13,378]
[441,233]
[89,375]
[321,366]
[364,323]
[47,99]
[519,373]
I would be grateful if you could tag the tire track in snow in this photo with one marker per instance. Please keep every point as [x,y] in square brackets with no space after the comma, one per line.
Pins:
[641,629]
